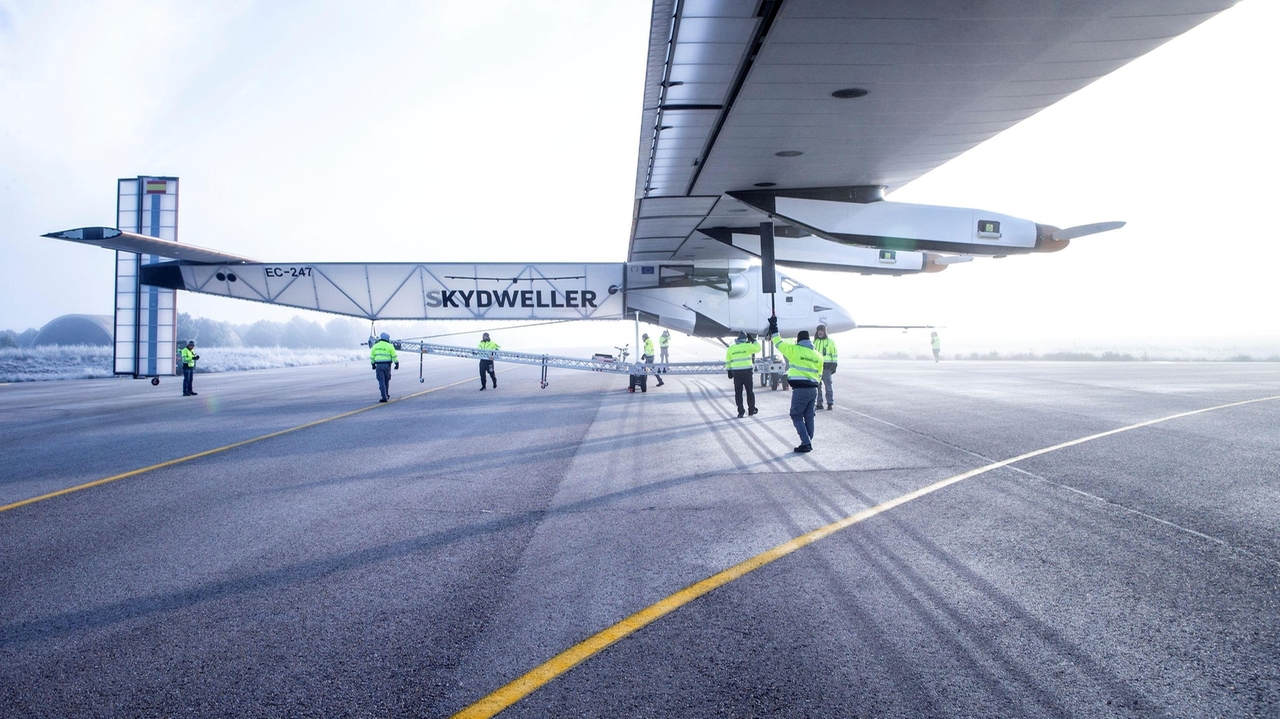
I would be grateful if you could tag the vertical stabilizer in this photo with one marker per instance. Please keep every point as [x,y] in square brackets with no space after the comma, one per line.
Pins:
[146,317]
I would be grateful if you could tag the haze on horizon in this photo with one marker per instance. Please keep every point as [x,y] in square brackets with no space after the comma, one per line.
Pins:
[506,131]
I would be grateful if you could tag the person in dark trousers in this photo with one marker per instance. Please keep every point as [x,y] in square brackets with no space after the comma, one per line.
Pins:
[738,362]
[664,344]
[827,348]
[804,372]
[648,357]
[381,355]
[486,365]
[189,358]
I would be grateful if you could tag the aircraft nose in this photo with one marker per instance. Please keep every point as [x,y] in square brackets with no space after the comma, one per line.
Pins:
[836,320]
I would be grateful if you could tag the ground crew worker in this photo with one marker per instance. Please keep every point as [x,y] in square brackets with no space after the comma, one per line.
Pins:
[486,365]
[804,373]
[381,355]
[664,342]
[189,358]
[738,362]
[937,346]
[827,348]
[648,356]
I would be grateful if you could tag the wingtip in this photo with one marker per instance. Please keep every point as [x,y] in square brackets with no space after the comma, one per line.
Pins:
[85,234]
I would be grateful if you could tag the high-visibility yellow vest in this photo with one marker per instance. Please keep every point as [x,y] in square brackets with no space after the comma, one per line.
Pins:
[827,348]
[738,356]
[489,345]
[803,363]
[664,339]
[648,346]
[937,343]
[383,351]
[188,358]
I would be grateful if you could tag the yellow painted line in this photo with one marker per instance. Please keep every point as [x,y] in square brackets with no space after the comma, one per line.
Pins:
[539,676]
[206,453]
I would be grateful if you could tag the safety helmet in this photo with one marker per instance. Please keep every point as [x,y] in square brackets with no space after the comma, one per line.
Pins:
[644,336]
[742,336]
[384,336]
[191,343]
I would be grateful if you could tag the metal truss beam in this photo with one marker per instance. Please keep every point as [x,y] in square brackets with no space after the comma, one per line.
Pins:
[547,361]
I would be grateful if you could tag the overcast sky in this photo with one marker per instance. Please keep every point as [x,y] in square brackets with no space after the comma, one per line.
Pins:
[496,130]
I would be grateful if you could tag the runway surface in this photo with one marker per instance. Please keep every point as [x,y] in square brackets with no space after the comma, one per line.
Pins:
[412,558]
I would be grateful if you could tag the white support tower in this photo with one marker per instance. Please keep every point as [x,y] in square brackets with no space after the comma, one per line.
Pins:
[146,317]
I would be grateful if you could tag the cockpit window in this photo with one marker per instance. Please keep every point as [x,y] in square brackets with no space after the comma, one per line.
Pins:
[789,285]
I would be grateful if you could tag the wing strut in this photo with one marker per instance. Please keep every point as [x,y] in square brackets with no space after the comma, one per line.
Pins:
[768,270]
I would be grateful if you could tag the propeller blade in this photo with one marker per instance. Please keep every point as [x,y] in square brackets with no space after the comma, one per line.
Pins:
[1070,233]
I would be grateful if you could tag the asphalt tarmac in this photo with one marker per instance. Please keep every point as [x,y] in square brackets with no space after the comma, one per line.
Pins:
[408,559]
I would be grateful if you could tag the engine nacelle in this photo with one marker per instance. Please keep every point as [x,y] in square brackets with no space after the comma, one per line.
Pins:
[861,218]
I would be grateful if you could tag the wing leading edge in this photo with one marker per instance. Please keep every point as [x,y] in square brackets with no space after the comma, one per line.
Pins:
[113,239]
[853,97]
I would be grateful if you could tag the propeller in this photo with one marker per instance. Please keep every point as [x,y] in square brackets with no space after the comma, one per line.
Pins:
[1071,233]
[935,262]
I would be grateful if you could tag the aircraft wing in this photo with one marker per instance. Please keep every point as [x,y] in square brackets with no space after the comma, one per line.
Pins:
[113,239]
[834,101]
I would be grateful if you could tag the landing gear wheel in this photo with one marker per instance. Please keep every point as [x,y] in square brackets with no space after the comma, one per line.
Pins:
[544,385]
[155,381]
[422,380]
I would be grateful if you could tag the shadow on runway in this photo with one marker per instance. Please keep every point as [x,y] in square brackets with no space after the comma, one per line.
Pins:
[71,623]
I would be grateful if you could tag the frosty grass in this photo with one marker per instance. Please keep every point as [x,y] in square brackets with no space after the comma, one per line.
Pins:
[85,362]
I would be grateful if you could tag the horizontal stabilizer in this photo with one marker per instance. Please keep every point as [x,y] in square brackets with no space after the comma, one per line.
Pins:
[112,239]
[1071,233]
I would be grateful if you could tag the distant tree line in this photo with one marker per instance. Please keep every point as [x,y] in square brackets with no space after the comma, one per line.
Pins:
[297,333]
[9,338]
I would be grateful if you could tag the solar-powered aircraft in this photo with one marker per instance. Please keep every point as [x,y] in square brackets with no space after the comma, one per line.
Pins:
[770,133]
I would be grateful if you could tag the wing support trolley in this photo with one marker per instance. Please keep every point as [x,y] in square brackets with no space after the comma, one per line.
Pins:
[599,363]
[769,285]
